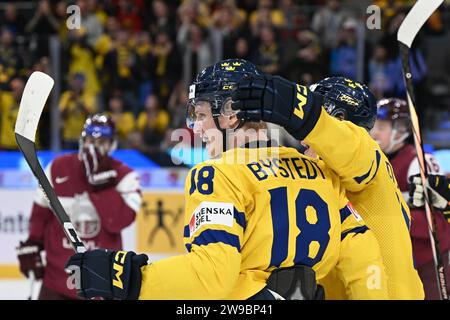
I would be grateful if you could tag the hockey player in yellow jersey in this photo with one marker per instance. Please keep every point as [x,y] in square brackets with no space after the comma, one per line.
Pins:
[251,212]
[346,148]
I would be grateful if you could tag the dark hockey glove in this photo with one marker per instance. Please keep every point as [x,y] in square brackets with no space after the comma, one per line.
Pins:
[107,274]
[277,100]
[439,187]
[29,255]
[98,168]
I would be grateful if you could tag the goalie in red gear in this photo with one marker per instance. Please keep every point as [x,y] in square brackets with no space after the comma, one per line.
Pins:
[392,130]
[100,194]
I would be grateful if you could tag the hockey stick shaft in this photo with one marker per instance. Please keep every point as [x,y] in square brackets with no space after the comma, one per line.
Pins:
[31,278]
[434,240]
[35,94]
[28,150]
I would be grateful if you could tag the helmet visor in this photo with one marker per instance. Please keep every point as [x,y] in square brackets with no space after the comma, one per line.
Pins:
[218,105]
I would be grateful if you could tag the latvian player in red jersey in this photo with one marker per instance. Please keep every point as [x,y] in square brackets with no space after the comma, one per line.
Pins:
[100,194]
[392,130]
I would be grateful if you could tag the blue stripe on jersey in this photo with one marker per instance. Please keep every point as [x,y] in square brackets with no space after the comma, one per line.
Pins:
[378,157]
[345,212]
[405,215]
[366,175]
[217,236]
[188,247]
[240,218]
[361,229]
[186,231]
[280,225]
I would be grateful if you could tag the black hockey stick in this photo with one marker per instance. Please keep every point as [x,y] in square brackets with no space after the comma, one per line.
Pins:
[35,94]
[408,30]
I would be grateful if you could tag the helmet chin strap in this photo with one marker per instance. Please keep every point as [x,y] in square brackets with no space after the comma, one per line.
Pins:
[224,131]
[394,142]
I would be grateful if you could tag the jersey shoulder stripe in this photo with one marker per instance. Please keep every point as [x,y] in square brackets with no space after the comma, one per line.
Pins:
[216,236]
[360,229]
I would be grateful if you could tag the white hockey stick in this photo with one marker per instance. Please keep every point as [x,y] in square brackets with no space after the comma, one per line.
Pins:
[35,94]
[408,30]
[32,279]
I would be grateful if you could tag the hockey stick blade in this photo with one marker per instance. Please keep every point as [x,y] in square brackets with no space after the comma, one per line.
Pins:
[415,19]
[35,94]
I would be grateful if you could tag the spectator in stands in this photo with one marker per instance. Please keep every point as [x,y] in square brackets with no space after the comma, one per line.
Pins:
[168,65]
[9,107]
[268,55]
[152,125]
[161,18]
[294,19]
[129,13]
[344,56]
[153,121]
[304,56]
[265,15]
[11,63]
[124,120]
[194,11]
[328,21]
[104,44]
[176,106]
[380,73]
[81,59]
[89,22]
[43,24]
[121,66]
[144,50]
[228,24]
[75,105]
[13,20]
[241,49]
[196,48]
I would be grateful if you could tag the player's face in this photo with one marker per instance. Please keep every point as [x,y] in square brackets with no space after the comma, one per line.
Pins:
[206,128]
[101,144]
[381,133]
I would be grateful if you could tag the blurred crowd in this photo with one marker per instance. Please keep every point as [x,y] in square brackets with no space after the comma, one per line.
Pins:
[135,59]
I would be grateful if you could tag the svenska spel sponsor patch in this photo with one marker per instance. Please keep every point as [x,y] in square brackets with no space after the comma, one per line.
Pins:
[218,213]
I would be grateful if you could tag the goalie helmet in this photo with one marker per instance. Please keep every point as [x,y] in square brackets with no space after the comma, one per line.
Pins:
[215,84]
[348,100]
[100,126]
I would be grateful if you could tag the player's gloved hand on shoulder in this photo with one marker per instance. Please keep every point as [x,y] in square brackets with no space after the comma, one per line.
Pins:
[277,100]
[29,255]
[107,274]
[439,188]
[98,167]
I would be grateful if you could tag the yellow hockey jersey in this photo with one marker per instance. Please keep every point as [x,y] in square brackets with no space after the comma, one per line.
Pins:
[369,179]
[255,210]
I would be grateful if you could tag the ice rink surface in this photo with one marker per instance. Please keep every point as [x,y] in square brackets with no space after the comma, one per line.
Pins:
[20,289]
[16,289]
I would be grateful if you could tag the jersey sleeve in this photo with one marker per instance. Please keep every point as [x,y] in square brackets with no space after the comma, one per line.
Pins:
[359,272]
[347,149]
[360,266]
[213,235]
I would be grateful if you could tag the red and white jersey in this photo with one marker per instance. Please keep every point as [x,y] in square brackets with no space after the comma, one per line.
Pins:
[406,164]
[98,216]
